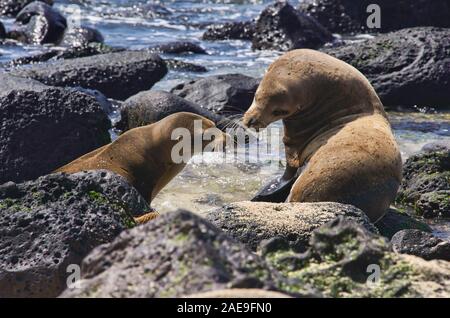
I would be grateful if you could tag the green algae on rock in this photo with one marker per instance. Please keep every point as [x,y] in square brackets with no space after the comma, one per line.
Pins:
[345,260]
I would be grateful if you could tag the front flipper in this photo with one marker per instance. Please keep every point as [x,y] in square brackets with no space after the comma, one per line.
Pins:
[278,190]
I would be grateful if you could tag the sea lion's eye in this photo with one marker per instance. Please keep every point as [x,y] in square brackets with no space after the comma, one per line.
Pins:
[279,113]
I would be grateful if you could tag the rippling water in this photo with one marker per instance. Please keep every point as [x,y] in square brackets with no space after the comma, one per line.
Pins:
[204,185]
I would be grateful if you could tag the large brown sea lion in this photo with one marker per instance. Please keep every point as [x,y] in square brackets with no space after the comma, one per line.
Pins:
[339,144]
[144,156]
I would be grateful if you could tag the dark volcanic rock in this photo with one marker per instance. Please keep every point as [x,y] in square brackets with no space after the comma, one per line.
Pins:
[181,66]
[422,244]
[41,23]
[221,94]
[13,7]
[117,75]
[55,221]
[253,222]
[177,254]
[348,16]
[90,49]
[178,47]
[426,183]
[395,221]
[2,31]
[230,31]
[408,67]
[82,36]
[151,106]
[45,127]
[281,27]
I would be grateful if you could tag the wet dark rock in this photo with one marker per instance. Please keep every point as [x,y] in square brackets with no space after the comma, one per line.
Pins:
[181,66]
[422,244]
[104,102]
[82,36]
[41,23]
[45,127]
[282,27]
[349,16]
[221,94]
[2,31]
[230,31]
[253,222]
[177,254]
[151,106]
[346,260]
[395,220]
[426,182]
[118,75]
[13,7]
[178,47]
[90,49]
[407,68]
[55,221]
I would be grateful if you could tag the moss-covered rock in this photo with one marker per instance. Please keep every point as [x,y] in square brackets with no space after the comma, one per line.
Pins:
[253,222]
[426,182]
[176,255]
[345,260]
[55,221]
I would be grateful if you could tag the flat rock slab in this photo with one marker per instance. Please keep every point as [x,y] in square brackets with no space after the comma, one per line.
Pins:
[253,222]
[55,221]
[118,75]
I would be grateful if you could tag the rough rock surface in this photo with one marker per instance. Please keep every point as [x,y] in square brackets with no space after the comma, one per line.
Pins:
[175,255]
[350,16]
[222,94]
[13,7]
[395,220]
[346,260]
[426,182]
[117,75]
[151,106]
[82,36]
[282,27]
[407,68]
[422,244]
[41,24]
[55,221]
[230,31]
[181,66]
[178,47]
[253,222]
[45,127]
[90,49]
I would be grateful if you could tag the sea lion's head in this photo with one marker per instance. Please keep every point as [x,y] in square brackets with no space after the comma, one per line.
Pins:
[189,131]
[302,81]
[271,103]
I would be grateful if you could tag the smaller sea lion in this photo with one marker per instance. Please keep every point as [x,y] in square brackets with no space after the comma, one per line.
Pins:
[144,156]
